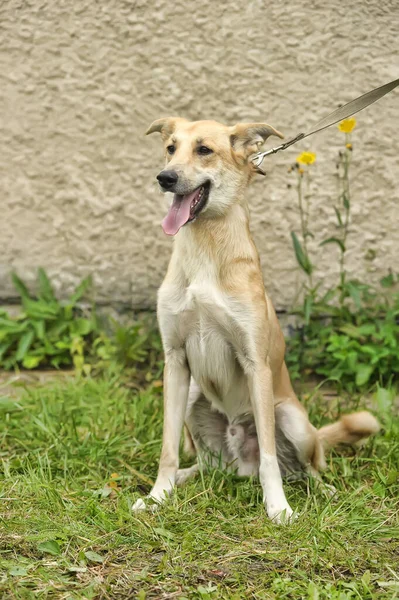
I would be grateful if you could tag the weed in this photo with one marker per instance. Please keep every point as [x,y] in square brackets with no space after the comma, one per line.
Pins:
[350,333]
[47,332]
[52,333]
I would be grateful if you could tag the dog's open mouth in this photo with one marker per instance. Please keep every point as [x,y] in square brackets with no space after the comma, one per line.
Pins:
[185,209]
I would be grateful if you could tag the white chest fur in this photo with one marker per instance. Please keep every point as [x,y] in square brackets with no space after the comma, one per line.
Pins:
[211,327]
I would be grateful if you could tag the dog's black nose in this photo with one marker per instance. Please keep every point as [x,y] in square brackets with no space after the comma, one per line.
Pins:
[167,179]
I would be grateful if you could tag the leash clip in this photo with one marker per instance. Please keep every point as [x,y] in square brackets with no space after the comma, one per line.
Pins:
[257,159]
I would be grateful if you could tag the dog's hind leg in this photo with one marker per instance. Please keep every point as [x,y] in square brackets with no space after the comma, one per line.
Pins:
[296,438]
[207,428]
[184,475]
[300,452]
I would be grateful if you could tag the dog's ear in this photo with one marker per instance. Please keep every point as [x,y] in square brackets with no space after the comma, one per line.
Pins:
[248,137]
[164,126]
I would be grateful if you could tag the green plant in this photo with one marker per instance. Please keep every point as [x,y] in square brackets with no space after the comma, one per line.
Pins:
[51,333]
[48,332]
[349,333]
[356,345]
[137,348]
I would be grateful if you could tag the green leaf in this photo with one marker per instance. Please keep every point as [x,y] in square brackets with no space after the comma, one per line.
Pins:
[103,492]
[333,240]
[12,326]
[50,547]
[309,234]
[20,287]
[205,592]
[346,202]
[57,328]
[357,332]
[366,578]
[164,533]
[40,328]
[4,347]
[339,218]
[352,360]
[363,374]
[31,362]
[307,308]
[392,477]
[385,399]
[329,295]
[367,329]
[45,289]
[8,405]
[354,293]
[387,281]
[18,571]
[313,593]
[24,344]
[38,309]
[81,327]
[81,289]
[93,556]
[301,256]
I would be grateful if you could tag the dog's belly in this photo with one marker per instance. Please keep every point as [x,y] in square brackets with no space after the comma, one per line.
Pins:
[215,369]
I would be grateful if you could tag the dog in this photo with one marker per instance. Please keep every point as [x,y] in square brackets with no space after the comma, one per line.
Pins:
[225,379]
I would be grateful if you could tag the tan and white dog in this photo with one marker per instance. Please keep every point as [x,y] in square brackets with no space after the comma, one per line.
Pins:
[225,375]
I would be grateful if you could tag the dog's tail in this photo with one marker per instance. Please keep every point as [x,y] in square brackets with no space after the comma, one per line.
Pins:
[350,429]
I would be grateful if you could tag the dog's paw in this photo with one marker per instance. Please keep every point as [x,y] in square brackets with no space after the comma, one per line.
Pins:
[184,475]
[281,515]
[139,505]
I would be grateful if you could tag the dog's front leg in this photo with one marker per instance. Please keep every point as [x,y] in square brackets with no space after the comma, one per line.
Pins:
[176,384]
[260,382]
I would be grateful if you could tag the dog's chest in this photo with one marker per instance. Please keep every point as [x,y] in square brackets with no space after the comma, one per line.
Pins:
[210,320]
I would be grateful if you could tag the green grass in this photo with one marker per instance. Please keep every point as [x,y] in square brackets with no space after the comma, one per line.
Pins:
[65,533]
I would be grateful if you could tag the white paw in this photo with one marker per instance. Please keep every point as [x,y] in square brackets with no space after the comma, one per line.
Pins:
[181,476]
[184,475]
[281,515]
[139,505]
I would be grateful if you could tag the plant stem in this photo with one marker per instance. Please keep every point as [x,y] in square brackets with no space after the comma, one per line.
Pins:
[304,216]
[346,204]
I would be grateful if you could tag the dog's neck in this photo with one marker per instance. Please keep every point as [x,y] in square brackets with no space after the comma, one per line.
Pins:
[216,243]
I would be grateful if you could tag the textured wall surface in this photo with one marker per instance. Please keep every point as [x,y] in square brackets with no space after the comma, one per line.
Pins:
[80,81]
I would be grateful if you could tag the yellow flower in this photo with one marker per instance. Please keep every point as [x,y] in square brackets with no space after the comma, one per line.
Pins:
[306,158]
[347,125]
[349,146]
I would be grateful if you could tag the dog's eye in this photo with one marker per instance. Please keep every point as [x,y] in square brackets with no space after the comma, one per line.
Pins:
[171,149]
[203,150]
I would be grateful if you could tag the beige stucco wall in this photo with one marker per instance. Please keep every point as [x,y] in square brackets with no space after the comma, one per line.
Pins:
[81,80]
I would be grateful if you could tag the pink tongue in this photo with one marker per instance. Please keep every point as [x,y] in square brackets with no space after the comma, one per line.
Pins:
[179,213]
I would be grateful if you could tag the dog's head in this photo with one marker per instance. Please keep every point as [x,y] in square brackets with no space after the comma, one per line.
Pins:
[207,166]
